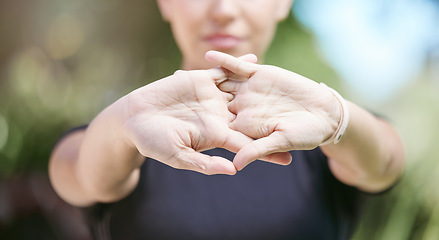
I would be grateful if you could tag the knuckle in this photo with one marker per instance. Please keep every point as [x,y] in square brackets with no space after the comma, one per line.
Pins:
[185,163]
[177,161]
[198,165]
[179,72]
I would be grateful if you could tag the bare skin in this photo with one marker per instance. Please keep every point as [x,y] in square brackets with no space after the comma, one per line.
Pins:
[170,120]
[286,111]
[173,119]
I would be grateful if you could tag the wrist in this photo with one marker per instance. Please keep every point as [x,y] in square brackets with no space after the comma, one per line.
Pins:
[125,116]
[343,118]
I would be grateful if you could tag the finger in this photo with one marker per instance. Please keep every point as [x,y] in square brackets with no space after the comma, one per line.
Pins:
[231,117]
[179,72]
[251,58]
[228,97]
[230,86]
[260,148]
[218,75]
[235,65]
[236,141]
[281,158]
[202,163]
[232,107]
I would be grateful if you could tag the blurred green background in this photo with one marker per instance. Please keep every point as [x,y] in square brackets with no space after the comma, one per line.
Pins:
[61,62]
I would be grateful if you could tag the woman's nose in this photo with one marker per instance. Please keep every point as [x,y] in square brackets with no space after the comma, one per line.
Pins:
[225,11]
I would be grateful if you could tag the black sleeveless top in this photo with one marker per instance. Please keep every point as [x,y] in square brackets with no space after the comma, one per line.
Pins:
[263,201]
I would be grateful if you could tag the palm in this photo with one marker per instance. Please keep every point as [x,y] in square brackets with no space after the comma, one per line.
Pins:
[281,104]
[176,117]
[281,109]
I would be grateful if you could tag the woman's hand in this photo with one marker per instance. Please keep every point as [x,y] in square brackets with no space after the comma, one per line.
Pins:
[175,118]
[282,110]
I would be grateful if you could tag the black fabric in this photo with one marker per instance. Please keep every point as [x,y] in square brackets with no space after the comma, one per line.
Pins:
[263,201]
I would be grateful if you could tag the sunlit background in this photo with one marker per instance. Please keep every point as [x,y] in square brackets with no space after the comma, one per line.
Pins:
[62,61]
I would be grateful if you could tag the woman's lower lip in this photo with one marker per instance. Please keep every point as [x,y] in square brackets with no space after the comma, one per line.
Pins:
[223,42]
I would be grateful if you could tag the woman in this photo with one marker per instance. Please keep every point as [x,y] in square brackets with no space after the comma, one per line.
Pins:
[126,165]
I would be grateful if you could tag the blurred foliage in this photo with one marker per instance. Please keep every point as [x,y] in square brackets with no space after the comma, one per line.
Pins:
[411,209]
[64,61]
[61,62]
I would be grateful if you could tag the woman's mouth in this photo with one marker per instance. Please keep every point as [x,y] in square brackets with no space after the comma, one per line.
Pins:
[223,41]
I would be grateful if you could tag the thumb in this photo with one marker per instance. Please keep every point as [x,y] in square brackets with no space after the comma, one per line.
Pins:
[267,149]
[202,163]
[236,141]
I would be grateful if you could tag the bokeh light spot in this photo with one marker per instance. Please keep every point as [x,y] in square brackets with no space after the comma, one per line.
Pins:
[64,36]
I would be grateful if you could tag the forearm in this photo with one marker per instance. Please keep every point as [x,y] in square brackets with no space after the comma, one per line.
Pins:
[107,161]
[62,170]
[370,155]
[97,165]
